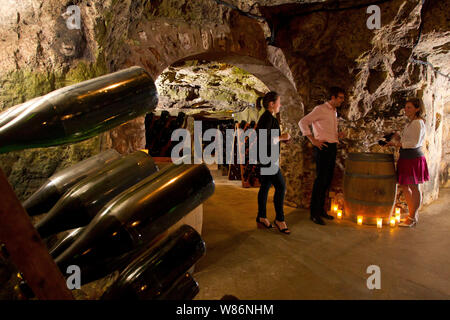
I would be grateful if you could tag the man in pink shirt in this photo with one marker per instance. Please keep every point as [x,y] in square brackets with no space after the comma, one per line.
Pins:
[325,137]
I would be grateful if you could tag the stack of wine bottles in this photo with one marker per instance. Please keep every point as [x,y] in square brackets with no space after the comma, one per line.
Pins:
[234,172]
[158,132]
[250,172]
[119,205]
[119,211]
[161,271]
[223,126]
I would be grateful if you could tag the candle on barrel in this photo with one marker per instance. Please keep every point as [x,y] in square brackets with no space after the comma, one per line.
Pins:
[360,220]
[379,222]
[392,221]
[397,214]
[339,214]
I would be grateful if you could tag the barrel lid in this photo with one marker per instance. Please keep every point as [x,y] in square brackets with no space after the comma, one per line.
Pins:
[371,157]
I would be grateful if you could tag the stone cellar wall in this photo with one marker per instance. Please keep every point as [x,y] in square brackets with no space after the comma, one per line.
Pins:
[314,47]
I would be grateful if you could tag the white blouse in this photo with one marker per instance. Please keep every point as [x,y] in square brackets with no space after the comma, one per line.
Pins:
[413,135]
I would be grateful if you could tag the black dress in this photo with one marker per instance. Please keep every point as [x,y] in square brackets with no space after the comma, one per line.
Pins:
[268,122]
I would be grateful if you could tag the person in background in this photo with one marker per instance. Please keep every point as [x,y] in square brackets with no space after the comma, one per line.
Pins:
[259,107]
[412,168]
[271,104]
[325,137]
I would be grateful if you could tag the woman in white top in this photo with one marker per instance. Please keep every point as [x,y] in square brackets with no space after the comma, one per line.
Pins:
[412,168]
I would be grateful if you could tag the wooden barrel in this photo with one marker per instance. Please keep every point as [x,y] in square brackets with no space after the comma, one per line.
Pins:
[370,186]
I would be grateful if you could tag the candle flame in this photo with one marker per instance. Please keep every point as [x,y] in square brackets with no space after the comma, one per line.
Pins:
[379,222]
[360,220]
[393,222]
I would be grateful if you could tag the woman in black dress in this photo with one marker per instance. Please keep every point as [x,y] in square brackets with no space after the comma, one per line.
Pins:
[271,102]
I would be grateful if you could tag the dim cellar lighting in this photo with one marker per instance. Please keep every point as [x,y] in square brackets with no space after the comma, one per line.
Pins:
[392,221]
[379,222]
[397,214]
[360,220]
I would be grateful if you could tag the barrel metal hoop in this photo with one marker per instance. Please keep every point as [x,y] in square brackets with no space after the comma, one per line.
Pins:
[371,157]
[368,176]
[369,203]
[369,160]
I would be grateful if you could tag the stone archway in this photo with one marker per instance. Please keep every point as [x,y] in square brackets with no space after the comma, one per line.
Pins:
[242,43]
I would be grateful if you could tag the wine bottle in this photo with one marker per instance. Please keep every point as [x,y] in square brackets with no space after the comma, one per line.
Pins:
[80,204]
[80,111]
[135,217]
[65,242]
[156,130]
[10,113]
[387,138]
[156,269]
[148,123]
[185,288]
[165,142]
[49,193]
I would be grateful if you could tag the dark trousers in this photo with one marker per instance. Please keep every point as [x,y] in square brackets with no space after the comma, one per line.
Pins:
[267,181]
[325,163]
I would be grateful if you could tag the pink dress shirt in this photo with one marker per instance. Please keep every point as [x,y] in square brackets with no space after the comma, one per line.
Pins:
[323,119]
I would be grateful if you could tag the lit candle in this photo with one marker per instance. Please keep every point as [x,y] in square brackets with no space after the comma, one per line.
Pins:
[397,214]
[393,220]
[335,208]
[339,214]
[360,220]
[379,222]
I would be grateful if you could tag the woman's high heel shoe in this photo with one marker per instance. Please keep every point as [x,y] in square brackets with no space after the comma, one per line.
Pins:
[262,224]
[285,230]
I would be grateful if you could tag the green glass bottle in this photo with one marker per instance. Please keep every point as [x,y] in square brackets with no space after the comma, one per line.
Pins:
[80,111]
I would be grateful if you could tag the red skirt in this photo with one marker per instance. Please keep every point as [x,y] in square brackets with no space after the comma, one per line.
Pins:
[412,171]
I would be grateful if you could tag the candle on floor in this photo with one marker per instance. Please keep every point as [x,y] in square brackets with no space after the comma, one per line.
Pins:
[360,220]
[379,222]
[397,214]
[393,220]
[339,214]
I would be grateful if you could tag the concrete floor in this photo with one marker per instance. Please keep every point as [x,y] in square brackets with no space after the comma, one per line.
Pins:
[318,262]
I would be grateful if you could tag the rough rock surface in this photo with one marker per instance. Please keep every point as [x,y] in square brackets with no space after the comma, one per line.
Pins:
[374,66]
[207,86]
[315,44]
